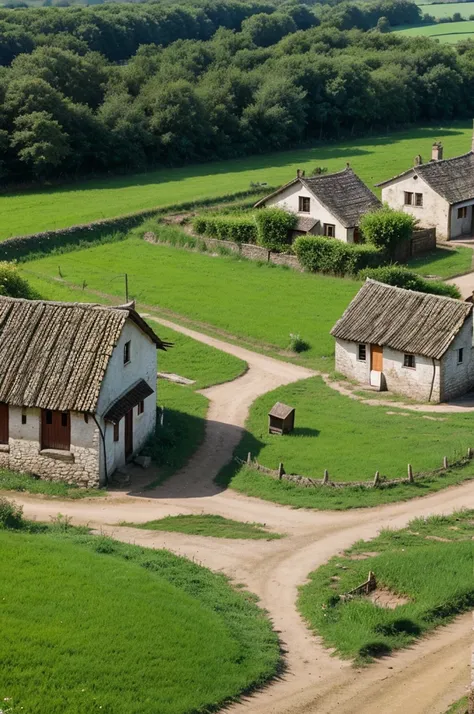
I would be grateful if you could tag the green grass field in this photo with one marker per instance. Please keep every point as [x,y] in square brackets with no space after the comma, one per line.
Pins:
[93,625]
[443,262]
[363,445]
[448,9]
[435,577]
[374,159]
[207,525]
[449,32]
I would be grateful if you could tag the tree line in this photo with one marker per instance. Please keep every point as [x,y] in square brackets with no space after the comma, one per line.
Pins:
[278,78]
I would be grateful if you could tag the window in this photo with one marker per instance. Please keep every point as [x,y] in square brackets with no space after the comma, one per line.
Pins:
[303,204]
[49,416]
[362,353]
[141,407]
[418,199]
[116,431]
[86,418]
[126,353]
[408,198]
[462,212]
[64,419]
[23,419]
[329,230]
[460,355]
[409,361]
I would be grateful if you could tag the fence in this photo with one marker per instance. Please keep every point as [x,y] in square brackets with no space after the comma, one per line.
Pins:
[377,481]
[422,241]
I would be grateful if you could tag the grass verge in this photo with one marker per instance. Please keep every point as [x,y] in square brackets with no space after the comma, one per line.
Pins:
[459,707]
[443,262]
[434,577]
[25,483]
[90,624]
[207,525]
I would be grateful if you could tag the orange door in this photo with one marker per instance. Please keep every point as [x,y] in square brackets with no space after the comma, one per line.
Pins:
[376,358]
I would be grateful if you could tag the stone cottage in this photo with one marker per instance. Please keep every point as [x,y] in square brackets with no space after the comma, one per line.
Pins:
[439,194]
[327,204]
[411,343]
[77,388]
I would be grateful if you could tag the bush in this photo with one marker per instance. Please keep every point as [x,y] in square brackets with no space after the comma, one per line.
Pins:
[297,344]
[403,278]
[387,228]
[274,226]
[13,284]
[11,515]
[234,227]
[327,255]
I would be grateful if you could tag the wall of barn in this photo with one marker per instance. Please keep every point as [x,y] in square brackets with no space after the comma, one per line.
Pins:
[433,213]
[288,200]
[23,453]
[348,362]
[458,378]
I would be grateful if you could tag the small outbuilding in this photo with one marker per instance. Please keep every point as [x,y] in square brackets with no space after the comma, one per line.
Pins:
[281,419]
[412,343]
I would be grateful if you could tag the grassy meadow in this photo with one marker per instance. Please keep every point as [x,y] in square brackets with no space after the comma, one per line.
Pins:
[443,262]
[448,9]
[374,159]
[434,577]
[93,625]
[449,32]
[207,525]
[365,441]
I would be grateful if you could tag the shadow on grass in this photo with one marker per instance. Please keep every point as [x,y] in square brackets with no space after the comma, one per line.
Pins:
[304,431]
[398,627]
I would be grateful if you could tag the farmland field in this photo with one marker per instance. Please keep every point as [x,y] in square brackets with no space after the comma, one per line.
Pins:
[374,159]
[447,9]
[435,578]
[90,624]
[450,32]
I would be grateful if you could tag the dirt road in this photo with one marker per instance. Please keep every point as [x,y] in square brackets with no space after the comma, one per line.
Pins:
[416,681]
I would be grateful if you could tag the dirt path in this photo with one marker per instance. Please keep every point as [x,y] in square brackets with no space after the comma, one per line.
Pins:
[416,681]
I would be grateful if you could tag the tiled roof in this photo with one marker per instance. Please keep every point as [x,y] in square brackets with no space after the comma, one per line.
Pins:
[405,320]
[54,355]
[280,410]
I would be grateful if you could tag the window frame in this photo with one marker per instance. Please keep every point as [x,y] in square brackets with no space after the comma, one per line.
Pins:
[409,361]
[408,198]
[116,432]
[460,355]
[332,227]
[141,407]
[462,213]
[127,352]
[302,202]
[362,347]
[419,200]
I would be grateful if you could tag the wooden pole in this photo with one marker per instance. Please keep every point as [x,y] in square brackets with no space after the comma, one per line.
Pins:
[410,473]
[445,462]
[377,478]
[325,477]
[281,470]
[249,458]
[469,453]
[126,287]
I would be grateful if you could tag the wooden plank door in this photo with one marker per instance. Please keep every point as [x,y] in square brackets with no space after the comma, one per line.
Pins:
[55,430]
[3,423]
[376,358]
[129,434]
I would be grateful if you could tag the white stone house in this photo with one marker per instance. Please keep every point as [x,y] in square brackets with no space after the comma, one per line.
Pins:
[439,194]
[327,204]
[410,343]
[77,388]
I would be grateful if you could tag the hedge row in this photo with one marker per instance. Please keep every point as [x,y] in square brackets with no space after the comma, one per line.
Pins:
[403,278]
[326,255]
[234,227]
[21,247]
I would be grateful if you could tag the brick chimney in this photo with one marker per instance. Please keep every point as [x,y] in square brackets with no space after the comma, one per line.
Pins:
[418,160]
[437,151]
[300,173]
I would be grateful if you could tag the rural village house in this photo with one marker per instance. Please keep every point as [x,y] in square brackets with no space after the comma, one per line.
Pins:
[328,204]
[77,388]
[440,193]
[408,342]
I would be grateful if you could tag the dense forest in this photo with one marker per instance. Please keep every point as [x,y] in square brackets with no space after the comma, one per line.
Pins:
[123,87]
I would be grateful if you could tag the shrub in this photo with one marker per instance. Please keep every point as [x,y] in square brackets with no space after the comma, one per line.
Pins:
[327,255]
[387,228]
[13,284]
[403,278]
[234,227]
[297,344]
[273,228]
[11,515]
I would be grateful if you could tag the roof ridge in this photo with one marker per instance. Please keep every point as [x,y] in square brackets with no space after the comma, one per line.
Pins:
[63,303]
[329,174]
[441,161]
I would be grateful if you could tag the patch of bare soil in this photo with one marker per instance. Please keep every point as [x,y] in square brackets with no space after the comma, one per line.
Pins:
[363,556]
[438,539]
[382,597]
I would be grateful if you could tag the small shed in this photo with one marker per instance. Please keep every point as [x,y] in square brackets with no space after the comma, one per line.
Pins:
[281,419]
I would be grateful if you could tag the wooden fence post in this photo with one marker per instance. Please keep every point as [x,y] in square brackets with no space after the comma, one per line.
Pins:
[325,477]
[281,470]
[469,453]
[249,458]
[445,462]
[377,479]
[410,473]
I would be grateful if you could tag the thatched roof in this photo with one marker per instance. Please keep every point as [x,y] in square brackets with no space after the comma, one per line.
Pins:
[453,179]
[280,410]
[54,355]
[405,320]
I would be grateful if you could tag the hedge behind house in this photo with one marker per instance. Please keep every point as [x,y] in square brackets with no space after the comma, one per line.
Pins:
[274,228]
[327,255]
[233,227]
[403,278]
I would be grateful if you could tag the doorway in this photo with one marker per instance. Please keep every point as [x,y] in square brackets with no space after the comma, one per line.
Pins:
[376,358]
[55,430]
[128,434]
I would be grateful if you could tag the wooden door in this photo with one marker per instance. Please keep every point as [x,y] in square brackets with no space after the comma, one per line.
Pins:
[129,434]
[357,238]
[55,430]
[3,423]
[376,358]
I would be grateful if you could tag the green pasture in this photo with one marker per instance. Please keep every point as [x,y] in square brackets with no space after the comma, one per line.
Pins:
[448,9]
[443,262]
[93,625]
[352,441]
[450,32]
[374,159]
[207,525]
[435,578]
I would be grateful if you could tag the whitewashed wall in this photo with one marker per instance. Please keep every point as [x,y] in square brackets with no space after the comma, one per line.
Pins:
[288,200]
[418,383]
[348,363]
[457,379]
[434,212]
[119,378]
[461,226]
